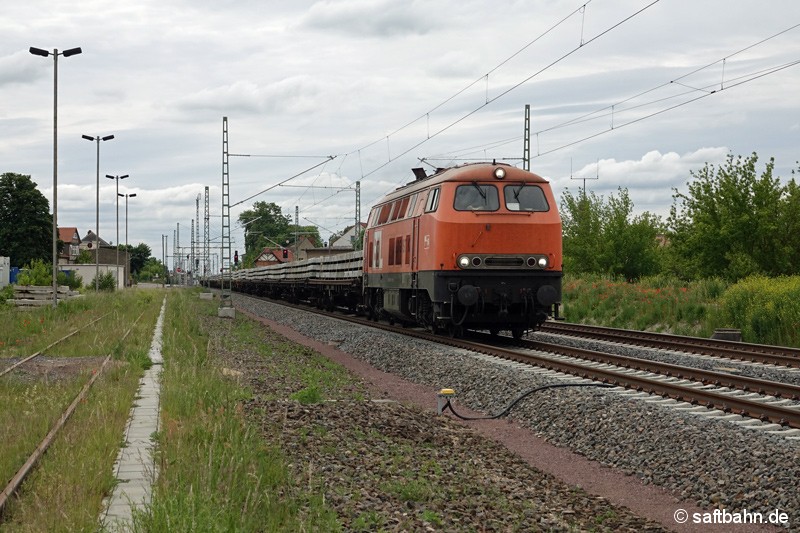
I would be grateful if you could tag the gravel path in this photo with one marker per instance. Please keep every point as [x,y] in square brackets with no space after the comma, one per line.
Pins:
[705,462]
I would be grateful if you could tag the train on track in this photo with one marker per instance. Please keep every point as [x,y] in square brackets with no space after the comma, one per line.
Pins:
[476,246]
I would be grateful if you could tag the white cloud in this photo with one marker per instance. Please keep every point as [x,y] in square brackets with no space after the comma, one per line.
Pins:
[362,80]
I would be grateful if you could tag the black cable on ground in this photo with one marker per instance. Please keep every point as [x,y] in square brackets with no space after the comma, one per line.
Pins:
[522,396]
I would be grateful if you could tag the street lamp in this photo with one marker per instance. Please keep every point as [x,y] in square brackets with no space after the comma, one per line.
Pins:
[126,230]
[55,53]
[97,210]
[117,178]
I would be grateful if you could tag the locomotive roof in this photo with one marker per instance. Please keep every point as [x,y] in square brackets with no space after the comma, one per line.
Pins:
[468,172]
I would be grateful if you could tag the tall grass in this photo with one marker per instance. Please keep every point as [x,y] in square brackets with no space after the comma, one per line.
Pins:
[26,331]
[654,304]
[217,473]
[766,310]
[66,490]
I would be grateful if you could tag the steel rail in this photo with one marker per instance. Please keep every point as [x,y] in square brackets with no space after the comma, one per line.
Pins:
[756,409]
[37,454]
[720,379]
[761,410]
[23,472]
[757,353]
[62,339]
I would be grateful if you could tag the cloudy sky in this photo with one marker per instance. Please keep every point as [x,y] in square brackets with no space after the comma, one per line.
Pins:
[634,93]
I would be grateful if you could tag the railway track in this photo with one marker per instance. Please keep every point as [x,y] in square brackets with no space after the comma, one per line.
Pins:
[30,463]
[51,345]
[766,400]
[754,353]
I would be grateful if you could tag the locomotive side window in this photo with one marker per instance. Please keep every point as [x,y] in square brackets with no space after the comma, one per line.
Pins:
[411,204]
[386,210]
[476,197]
[398,251]
[523,197]
[400,209]
[433,200]
[373,216]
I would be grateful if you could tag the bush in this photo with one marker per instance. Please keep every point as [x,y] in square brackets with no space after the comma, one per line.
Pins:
[107,282]
[41,274]
[36,273]
[7,293]
[71,279]
[767,310]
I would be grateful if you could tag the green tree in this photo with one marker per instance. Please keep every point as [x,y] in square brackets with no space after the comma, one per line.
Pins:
[265,226]
[581,220]
[139,256]
[630,246]
[85,257]
[789,223]
[26,226]
[605,237]
[152,269]
[726,224]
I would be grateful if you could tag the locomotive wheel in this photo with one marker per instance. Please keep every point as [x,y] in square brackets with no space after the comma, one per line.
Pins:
[517,333]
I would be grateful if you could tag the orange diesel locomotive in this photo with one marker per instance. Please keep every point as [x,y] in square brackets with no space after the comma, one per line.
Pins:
[476,246]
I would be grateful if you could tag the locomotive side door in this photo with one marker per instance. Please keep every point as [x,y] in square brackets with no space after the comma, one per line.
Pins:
[414,250]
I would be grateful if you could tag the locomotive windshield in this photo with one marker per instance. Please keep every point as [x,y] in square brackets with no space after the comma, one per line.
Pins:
[523,197]
[476,197]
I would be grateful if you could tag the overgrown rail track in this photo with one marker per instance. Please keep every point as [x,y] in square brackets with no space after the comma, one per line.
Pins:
[49,346]
[33,459]
[692,385]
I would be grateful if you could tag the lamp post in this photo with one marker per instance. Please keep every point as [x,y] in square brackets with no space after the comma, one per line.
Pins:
[97,210]
[126,230]
[55,53]
[117,178]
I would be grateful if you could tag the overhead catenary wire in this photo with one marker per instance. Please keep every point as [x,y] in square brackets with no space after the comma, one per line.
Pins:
[581,10]
[616,109]
[483,77]
[513,87]
[329,158]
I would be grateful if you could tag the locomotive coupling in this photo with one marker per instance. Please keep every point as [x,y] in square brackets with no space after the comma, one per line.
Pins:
[443,398]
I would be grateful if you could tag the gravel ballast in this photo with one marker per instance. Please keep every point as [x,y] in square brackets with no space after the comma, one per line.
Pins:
[709,463]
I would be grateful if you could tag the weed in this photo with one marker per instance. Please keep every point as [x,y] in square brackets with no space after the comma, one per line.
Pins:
[307,396]
[431,517]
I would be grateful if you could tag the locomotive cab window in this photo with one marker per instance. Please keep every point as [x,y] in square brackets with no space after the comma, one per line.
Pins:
[523,197]
[433,200]
[476,197]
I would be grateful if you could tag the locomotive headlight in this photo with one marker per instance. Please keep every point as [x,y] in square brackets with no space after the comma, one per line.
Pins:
[543,262]
[499,173]
[463,261]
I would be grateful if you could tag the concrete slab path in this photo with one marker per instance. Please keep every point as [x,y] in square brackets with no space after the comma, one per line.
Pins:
[135,468]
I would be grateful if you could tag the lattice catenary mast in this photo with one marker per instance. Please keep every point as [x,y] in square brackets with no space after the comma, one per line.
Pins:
[225,298]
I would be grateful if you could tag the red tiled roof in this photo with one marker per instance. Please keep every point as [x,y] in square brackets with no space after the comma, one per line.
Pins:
[66,234]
